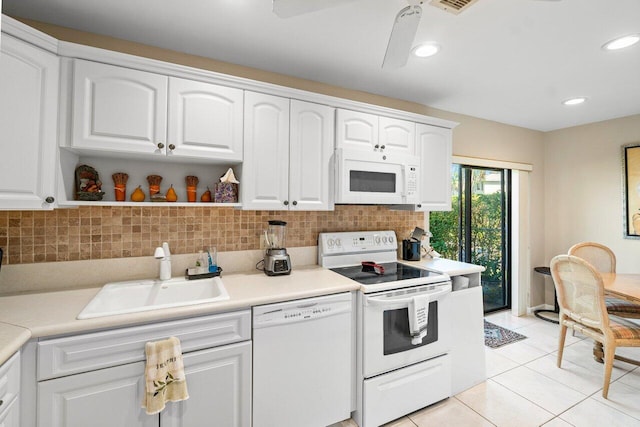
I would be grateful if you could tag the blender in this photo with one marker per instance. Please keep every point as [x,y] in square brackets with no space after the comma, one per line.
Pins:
[276,259]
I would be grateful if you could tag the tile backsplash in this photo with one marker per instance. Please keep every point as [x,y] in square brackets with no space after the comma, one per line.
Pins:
[96,232]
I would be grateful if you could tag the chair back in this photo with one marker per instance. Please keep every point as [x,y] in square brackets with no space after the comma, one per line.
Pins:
[600,256]
[580,291]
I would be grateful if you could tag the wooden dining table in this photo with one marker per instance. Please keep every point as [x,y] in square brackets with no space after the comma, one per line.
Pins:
[623,286]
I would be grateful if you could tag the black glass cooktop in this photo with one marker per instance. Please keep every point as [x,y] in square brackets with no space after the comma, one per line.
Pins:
[393,272]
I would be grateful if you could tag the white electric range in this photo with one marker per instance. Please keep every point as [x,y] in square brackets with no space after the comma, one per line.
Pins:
[396,373]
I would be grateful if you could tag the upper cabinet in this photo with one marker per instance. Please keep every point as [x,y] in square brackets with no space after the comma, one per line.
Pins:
[118,109]
[122,110]
[434,149]
[288,148]
[397,135]
[363,131]
[205,120]
[310,150]
[266,152]
[29,79]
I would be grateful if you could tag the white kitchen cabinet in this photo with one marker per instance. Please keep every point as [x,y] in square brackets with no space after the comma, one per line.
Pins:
[356,130]
[97,379]
[288,149]
[310,149]
[397,135]
[121,110]
[265,168]
[434,149]
[118,109]
[29,81]
[363,131]
[103,398]
[219,383]
[205,120]
[10,392]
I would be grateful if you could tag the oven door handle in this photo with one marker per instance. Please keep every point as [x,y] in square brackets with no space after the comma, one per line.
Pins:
[402,301]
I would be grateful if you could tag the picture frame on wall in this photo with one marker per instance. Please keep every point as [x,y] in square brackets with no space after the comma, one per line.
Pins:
[631,190]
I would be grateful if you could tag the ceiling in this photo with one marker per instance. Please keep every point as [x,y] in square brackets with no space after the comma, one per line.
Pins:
[511,61]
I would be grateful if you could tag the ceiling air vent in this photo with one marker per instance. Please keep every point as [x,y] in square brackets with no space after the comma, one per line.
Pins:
[453,6]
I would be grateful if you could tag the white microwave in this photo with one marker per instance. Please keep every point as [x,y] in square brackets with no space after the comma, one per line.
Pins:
[364,177]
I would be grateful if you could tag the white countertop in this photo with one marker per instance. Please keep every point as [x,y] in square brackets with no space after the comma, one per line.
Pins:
[54,313]
[447,266]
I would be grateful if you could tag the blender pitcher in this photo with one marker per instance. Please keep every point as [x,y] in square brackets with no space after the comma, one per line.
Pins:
[276,234]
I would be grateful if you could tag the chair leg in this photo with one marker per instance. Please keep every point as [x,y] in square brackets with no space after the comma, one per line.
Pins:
[609,355]
[561,338]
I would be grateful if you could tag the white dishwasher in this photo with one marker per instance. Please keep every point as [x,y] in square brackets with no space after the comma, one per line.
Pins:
[302,362]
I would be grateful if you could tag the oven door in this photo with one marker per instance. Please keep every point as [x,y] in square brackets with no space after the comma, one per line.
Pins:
[386,341]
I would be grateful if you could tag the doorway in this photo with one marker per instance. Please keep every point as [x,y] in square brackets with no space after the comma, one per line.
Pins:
[477,230]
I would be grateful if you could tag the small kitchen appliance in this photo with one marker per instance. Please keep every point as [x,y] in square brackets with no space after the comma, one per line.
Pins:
[403,313]
[276,258]
[411,250]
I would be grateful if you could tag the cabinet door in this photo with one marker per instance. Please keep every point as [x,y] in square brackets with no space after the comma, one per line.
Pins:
[118,109]
[104,398]
[219,383]
[10,415]
[310,151]
[205,120]
[265,169]
[434,150]
[356,130]
[397,135]
[28,125]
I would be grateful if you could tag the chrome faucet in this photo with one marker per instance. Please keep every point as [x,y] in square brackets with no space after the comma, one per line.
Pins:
[164,255]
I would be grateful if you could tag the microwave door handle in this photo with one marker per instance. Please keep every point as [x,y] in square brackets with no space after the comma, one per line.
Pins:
[382,301]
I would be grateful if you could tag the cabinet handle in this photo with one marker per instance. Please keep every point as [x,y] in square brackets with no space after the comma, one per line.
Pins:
[160,145]
[419,205]
[172,147]
[295,202]
[1,402]
[286,203]
[50,199]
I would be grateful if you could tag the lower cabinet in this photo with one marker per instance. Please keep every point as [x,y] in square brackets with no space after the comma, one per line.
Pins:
[10,392]
[218,380]
[219,383]
[78,388]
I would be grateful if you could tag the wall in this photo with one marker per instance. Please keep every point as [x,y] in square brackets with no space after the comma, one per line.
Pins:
[472,138]
[583,188]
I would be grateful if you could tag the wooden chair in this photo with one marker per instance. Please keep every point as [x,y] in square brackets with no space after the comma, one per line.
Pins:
[604,261]
[580,294]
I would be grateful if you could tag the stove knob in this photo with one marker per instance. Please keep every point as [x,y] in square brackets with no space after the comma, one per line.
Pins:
[377,240]
[391,240]
[384,240]
[330,242]
[338,242]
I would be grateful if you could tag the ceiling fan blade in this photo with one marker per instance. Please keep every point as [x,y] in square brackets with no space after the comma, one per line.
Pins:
[289,8]
[402,34]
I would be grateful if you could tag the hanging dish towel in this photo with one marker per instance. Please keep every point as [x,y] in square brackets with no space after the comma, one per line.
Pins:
[418,318]
[164,375]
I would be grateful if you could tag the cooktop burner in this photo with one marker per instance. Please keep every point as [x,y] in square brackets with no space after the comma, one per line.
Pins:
[393,272]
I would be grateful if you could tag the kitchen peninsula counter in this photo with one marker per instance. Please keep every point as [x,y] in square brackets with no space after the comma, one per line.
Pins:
[54,313]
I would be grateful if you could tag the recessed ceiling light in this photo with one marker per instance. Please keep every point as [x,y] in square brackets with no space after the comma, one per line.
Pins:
[575,101]
[426,49]
[622,42]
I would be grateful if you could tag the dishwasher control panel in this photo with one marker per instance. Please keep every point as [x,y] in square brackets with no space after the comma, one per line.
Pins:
[300,311]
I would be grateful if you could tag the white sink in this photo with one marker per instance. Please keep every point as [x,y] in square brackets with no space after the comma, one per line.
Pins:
[143,295]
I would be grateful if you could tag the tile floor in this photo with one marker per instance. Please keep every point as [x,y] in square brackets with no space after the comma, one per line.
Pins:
[525,388]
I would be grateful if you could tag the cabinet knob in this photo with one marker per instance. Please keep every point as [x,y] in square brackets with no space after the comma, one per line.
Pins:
[50,199]
[375,147]
[295,202]
[172,147]
[286,203]
[160,145]
[419,205]
[382,147]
